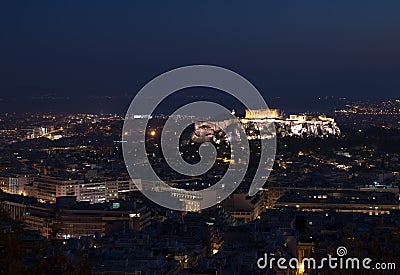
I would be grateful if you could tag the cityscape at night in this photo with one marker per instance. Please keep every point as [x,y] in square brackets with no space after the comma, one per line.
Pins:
[200,138]
[63,179]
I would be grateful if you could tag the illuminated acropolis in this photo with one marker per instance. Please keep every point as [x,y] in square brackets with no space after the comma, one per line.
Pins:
[300,125]
[292,125]
[262,113]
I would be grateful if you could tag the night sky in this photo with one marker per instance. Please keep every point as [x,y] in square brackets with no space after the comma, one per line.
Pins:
[291,49]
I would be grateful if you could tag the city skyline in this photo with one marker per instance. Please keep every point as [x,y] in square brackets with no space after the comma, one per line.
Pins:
[203,137]
[64,185]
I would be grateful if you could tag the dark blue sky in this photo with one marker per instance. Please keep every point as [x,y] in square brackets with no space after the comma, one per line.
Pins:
[286,48]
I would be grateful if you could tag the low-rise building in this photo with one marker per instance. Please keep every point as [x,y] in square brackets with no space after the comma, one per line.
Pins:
[68,218]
